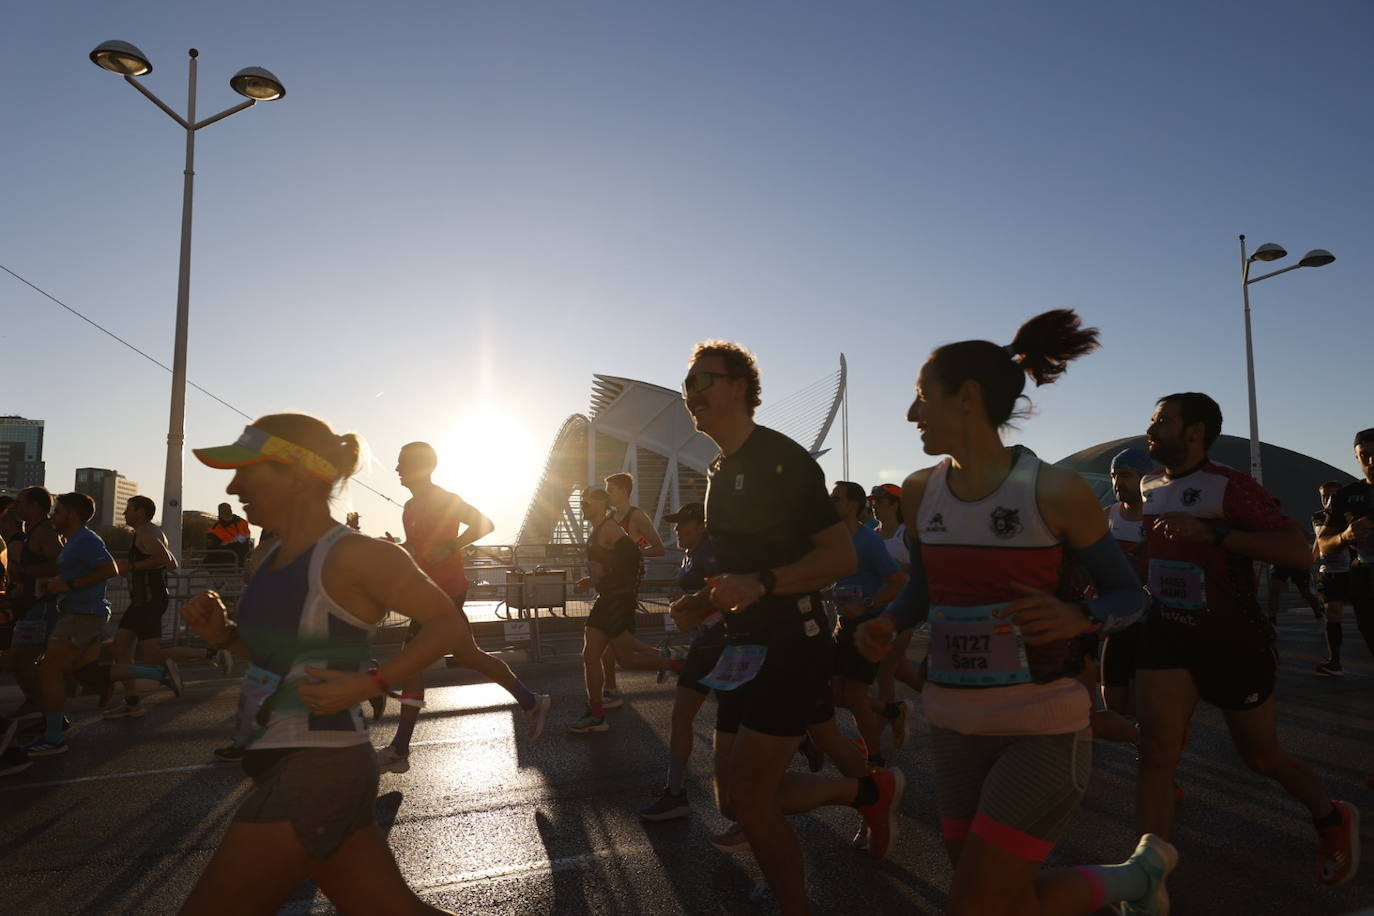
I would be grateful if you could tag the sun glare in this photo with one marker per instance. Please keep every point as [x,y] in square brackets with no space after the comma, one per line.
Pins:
[489,456]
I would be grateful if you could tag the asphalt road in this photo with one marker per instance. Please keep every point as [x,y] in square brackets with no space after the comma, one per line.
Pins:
[486,823]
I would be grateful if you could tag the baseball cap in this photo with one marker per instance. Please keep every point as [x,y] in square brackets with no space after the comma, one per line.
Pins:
[689,512]
[257,445]
[886,489]
[1133,459]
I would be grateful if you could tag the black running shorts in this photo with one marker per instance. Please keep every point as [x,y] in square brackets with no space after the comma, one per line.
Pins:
[326,793]
[791,691]
[614,614]
[1234,671]
[702,656]
[145,620]
[1118,656]
[1333,587]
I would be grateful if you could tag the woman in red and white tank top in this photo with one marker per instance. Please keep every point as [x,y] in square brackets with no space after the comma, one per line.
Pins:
[1010,746]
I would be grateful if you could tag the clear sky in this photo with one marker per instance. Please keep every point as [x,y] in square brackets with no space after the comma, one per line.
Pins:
[462,210]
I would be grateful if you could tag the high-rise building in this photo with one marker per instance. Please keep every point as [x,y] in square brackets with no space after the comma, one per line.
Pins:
[21,453]
[110,492]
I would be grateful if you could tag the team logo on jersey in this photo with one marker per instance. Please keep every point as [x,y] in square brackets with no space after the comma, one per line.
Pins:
[1191,496]
[1006,523]
[937,522]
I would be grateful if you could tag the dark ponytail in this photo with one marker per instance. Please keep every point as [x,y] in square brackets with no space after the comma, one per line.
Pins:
[1042,349]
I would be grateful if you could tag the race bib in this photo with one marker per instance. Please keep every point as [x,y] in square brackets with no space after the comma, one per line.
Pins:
[1178,585]
[971,648]
[259,685]
[737,665]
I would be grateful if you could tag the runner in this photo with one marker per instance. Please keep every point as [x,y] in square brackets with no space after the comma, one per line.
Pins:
[886,499]
[1011,752]
[1301,577]
[140,626]
[1205,636]
[698,563]
[305,622]
[1333,583]
[1350,525]
[635,522]
[83,567]
[778,540]
[35,612]
[432,518]
[861,596]
[613,563]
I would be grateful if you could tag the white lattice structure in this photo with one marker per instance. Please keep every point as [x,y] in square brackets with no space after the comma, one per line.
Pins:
[646,430]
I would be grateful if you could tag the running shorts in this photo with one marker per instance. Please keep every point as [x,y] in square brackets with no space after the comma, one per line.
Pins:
[1118,656]
[849,662]
[1302,578]
[702,656]
[791,691]
[1333,587]
[1232,673]
[35,626]
[326,793]
[81,630]
[614,614]
[1016,792]
[145,620]
[457,605]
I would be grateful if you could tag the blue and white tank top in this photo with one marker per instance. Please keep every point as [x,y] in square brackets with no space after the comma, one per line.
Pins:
[287,620]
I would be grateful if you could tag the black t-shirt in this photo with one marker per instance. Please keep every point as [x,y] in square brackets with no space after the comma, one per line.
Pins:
[1354,501]
[763,505]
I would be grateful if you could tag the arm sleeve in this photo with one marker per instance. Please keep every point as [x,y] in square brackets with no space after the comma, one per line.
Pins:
[1120,598]
[912,604]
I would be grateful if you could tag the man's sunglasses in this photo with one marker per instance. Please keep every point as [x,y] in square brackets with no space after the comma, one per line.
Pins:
[698,382]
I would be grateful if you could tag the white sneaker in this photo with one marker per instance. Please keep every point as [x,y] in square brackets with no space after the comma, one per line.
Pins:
[537,715]
[390,760]
[124,711]
[224,661]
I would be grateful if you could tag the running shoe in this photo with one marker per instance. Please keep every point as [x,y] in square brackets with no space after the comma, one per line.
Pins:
[390,760]
[171,676]
[1331,669]
[1156,857]
[1339,858]
[26,710]
[732,839]
[44,748]
[8,729]
[224,661]
[881,816]
[612,699]
[36,728]
[537,715]
[667,806]
[124,711]
[231,753]
[860,840]
[899,723]
[814,758]
[589,723]
[14,760]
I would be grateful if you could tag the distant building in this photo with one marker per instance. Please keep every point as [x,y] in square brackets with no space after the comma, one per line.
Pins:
[110,492]
[21,454]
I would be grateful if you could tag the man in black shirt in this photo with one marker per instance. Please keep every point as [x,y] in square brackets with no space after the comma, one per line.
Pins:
[1350,523]
[778,541]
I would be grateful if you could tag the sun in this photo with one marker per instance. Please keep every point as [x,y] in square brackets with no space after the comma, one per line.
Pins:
[490,457]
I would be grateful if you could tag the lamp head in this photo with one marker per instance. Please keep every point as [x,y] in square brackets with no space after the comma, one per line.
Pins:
[122,58]
[1269,252]
[1317,257]
[258,84]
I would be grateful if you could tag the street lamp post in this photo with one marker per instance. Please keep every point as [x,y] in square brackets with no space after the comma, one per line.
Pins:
[256,85]
[1317,257]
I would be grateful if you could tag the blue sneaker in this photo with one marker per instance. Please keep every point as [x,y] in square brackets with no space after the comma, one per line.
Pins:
[1157,857]
[43,748]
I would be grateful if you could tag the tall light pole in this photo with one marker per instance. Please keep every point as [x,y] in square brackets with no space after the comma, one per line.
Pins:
[256,85]
[1317,257]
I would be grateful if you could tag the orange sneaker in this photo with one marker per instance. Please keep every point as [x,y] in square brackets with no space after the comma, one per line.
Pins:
[1339,857]
[881,816]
